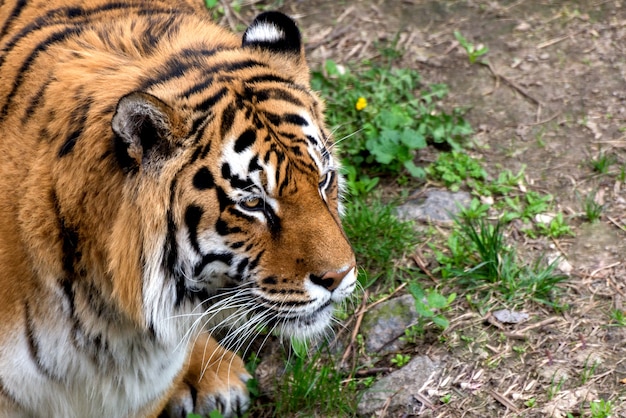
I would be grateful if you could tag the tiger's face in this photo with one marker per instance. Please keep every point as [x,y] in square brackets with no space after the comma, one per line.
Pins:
[261,212]
[253,225]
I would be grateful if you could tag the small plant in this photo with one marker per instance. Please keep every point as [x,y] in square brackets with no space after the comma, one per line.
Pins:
[601,409]
[216,9]
[519,349]
[602,162]
[593,210]
[530,403]
[475,210]
[501,186]
[429,304]
[621,177]
[445,399]
[555,387]
[618,318]
[588,371]
[400,359]
[473,52]
[556,228]
[455,169]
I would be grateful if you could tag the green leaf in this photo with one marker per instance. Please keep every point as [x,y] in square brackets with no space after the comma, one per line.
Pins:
[415,171]
[441,322]
[300,347]
[331,68]
[412,139]
[437,301]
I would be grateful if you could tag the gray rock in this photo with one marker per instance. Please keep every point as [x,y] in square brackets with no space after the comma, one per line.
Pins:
[439,205]
[385,323]
[398,388]
[507,316]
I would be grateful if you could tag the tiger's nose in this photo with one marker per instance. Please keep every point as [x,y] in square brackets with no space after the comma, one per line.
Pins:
[331,280]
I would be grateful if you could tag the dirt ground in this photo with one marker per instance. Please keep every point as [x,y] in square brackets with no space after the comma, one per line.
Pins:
[552,98]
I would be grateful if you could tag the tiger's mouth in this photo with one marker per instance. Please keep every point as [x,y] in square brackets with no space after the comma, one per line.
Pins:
[305,324]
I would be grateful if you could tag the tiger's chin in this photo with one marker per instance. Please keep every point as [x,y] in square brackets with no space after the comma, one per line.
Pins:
[307,326]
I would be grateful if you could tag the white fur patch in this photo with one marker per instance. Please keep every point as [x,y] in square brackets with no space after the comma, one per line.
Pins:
[264,32]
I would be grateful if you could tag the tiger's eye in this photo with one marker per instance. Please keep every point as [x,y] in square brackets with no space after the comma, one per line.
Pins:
[254,203]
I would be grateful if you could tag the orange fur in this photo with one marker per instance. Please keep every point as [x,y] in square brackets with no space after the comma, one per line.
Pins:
[156,172]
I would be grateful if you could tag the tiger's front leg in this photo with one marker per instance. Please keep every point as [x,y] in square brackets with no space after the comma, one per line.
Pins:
[215,378]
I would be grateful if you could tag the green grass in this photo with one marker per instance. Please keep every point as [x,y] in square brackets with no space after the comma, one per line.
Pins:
[315,385]
[592,209]
[602,162]
[601,408]
[478,260]
[378,238]
[618,318]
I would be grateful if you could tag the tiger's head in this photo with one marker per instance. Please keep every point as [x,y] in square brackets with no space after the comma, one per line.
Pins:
[241,168]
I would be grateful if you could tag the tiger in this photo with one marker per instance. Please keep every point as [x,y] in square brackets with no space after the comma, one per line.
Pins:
[161,177]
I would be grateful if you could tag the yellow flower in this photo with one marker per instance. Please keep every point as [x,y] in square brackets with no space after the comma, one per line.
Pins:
[361,104]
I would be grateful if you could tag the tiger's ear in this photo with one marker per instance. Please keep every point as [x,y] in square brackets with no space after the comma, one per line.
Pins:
[275,32]
[143,127]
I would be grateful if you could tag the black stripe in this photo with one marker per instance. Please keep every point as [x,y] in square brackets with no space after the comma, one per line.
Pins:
[171,246]
[200,152]
[273,221]
[14,14]
[36,100]
[68,292]
[207,259]
[244,216]
[203,179]
[285,303]
[268,78]
[170,249]
[245,141]
[255,262]
[242,265]
[276,94]
[193,214]
[78,120]
[200,125]
[69,240]
[254,165]
[211,101]
[33,345]
[41,47]
[223,199]
[228,117]
[177,67]
[235,181]
[222,228]
[294,119]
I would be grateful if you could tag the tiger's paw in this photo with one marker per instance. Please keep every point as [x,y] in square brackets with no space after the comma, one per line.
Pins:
[215,380]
